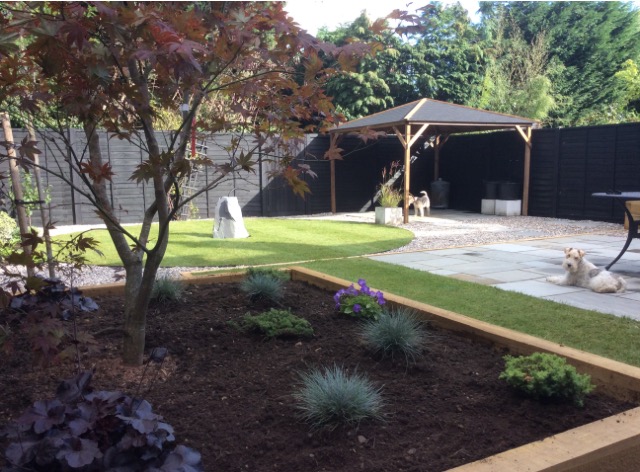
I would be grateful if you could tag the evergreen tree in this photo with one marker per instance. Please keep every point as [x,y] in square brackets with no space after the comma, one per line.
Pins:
[590,39]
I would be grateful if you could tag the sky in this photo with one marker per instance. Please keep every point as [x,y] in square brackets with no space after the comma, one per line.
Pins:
[314,14]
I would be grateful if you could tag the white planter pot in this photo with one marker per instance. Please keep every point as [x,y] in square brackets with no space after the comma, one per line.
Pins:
[389,216]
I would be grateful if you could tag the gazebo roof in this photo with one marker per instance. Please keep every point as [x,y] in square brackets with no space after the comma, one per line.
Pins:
[442,118]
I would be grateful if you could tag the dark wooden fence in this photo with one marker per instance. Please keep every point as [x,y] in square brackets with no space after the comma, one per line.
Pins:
[567,165]
[258,193]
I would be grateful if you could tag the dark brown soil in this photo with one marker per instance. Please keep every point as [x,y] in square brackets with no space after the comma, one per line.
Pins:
[229,394]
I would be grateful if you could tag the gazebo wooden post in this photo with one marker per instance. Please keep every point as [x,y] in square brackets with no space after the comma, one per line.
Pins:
[526,135]
[407,172]
[436,158]
[332,168]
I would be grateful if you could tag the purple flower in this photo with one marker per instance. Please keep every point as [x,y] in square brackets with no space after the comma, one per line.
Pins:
[380,297]
[352,291]
[357,308]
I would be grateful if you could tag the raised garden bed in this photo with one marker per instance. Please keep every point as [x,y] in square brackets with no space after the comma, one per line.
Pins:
[228,394]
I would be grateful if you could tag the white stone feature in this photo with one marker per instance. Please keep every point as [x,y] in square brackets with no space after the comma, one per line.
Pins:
[228,221]
[508,207]
[488,206]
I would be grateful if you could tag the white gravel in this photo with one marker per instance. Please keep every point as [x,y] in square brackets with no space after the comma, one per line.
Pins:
[451,229]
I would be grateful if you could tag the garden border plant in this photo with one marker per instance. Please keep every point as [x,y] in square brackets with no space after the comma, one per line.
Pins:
[277,323]
[263,284]
[361,303]
[167,289]
[331,397]
[398,331]
[545,376]
[95,431]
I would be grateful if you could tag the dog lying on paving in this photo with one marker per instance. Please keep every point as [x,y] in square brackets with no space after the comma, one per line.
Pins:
[582,273]
[420,203]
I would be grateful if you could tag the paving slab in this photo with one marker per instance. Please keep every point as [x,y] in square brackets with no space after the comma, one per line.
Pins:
[538,288]
[601,302]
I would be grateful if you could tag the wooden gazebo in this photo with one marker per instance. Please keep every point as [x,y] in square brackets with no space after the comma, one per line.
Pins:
[437,120]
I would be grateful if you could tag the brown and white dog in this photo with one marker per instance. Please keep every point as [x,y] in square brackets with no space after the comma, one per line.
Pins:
[420,203]
[582,273]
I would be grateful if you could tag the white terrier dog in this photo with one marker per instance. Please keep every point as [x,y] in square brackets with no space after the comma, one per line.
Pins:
[420,203]
[582,273]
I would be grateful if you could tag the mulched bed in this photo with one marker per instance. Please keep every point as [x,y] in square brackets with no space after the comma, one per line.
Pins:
[228,394]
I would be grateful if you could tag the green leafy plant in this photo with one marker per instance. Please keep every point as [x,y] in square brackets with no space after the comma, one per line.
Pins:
[546,376]
[360,303]
[8,227]
[388,196]
[167,289]
[260,285]
[331,397]
[30,194]
[278,323]
[9,234]
[94,431]
[398,332]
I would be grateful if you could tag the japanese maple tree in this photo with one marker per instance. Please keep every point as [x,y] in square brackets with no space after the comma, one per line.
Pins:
[118,66]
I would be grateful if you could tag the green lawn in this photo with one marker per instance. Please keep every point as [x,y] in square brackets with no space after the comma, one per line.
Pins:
[272,241]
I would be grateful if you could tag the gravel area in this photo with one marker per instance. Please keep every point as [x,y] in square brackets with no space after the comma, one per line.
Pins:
[442,233]
[449,229]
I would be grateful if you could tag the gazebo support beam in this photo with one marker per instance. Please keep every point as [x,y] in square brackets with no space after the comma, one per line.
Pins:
[526,135]
[407,141]
[400,136]
[332,168]
[418,134]
[407,172]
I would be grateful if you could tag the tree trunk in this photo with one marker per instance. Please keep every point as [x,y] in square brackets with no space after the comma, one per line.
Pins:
[137,291]
[17,185]
[43,215]
[136,299]
[137,287]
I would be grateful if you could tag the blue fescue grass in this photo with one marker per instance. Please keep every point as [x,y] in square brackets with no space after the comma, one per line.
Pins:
[331,397]
[398,332]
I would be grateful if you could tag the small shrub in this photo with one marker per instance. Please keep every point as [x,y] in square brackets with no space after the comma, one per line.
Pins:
[167,289]
[94,431]
[398,332]
[45,319]
[546,376]
[331,398]
[360,303]
[278,323]
[263,286]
